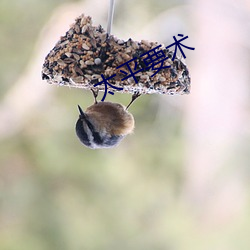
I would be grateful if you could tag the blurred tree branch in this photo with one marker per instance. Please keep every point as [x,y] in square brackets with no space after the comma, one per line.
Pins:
[29,93]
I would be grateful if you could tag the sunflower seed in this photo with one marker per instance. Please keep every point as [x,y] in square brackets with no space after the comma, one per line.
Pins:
[85,46]
[88,62]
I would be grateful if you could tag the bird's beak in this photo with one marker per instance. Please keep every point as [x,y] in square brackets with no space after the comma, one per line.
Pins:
[82,115]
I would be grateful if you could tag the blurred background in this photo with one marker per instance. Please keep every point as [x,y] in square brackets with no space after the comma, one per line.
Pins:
[180,182]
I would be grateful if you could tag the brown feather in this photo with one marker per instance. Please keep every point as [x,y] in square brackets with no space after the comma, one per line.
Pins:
[111,117]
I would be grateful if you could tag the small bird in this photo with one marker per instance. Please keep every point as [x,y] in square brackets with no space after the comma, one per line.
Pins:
[104,124]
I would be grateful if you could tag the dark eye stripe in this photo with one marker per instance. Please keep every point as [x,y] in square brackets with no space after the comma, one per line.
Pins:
[96,135]
[82,135]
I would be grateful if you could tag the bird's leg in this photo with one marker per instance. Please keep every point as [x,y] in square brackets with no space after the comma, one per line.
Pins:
[134,97]
[95,94]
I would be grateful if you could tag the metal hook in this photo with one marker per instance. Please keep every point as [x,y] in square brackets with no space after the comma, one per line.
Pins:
[110,16]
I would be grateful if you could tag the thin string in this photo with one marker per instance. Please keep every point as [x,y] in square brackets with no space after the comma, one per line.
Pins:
[110,15]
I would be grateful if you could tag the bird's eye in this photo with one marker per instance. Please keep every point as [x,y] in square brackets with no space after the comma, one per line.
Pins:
[88,57]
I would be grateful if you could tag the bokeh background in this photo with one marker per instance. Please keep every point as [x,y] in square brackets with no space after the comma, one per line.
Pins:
[180,182]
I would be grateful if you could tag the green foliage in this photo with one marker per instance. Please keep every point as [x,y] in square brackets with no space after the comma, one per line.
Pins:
[20,24]
[57,194]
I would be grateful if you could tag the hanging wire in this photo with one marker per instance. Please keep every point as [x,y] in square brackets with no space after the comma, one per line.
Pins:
[110,15]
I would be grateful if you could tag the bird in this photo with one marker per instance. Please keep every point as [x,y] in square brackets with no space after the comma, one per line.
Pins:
[104,124]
